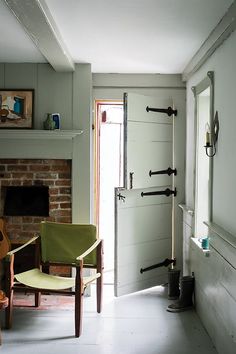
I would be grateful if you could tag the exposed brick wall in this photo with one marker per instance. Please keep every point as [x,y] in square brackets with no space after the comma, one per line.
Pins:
[56,174]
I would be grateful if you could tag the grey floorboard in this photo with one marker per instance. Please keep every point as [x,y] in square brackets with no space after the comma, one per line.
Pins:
[133,324]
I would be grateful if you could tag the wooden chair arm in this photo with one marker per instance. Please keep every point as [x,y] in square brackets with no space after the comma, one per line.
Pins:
[89,250]
[10,253]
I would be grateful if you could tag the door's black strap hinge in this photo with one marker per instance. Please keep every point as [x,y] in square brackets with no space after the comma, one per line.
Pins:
[167,192]
[169,111]
[131,180]
[165,263]
[169,171]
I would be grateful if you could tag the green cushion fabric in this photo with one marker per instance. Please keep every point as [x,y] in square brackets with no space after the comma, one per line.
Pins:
[64,242]
[36,279]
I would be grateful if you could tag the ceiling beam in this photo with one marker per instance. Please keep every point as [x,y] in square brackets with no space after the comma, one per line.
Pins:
[37,21]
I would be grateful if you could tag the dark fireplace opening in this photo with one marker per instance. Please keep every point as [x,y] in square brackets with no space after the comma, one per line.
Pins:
[26,201]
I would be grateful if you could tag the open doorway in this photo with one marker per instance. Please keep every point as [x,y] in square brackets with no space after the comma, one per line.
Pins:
[109,174]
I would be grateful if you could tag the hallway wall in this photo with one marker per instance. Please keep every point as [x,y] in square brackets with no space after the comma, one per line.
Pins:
[215,295]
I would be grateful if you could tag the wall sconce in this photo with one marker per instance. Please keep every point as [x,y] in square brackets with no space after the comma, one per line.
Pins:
[212,136]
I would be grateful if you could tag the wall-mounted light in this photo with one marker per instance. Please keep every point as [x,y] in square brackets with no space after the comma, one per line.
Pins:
[212,136]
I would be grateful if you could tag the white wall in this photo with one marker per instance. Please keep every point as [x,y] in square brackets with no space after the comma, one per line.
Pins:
[215,275]
[113,86]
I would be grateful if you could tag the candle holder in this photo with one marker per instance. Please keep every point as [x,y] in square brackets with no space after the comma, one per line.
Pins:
[210,149]
[212,137]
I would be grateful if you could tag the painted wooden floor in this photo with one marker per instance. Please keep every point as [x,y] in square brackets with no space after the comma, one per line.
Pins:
[134,324]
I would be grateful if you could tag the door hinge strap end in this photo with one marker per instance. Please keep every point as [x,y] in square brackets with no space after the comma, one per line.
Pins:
[165,263]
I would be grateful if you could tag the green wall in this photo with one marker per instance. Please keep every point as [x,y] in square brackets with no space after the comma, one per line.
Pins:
[68,94]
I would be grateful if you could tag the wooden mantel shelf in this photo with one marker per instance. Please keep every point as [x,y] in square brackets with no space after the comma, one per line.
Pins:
[38,134]
[39,144]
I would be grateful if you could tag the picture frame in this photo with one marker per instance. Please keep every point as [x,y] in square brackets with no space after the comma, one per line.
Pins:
[56,119]
[16,108]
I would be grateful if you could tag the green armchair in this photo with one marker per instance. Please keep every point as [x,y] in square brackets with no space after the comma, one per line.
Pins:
[72,245]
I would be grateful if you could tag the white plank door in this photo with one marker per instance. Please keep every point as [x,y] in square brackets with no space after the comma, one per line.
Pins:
[143,224]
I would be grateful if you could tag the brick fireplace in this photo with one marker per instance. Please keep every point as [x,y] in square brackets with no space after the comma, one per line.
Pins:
[41,158]
[52,173]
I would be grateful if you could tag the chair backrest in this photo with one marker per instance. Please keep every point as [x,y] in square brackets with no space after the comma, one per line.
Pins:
[64,242]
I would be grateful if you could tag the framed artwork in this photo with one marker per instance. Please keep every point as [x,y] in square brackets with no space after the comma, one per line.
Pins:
[16,108]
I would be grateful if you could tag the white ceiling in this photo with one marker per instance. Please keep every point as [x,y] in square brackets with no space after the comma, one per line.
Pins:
[119,36]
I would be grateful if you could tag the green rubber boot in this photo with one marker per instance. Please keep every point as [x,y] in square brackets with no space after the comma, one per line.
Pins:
[173,284]
[185,301]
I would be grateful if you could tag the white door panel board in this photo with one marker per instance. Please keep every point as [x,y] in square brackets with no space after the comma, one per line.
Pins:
[146,229]
[137,109]
[149,131]
[144,161]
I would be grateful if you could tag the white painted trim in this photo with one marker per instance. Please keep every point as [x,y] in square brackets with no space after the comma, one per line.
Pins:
[207,82]
[198,244]
[138,81]
[225,235]
[37,21]
[223,242]
[220,33]
[186,209]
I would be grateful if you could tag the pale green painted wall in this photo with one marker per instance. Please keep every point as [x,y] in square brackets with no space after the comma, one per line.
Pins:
[215,276]
[68,94]
[222,63]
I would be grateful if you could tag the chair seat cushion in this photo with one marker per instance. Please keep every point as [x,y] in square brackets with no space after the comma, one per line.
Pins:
[37,279]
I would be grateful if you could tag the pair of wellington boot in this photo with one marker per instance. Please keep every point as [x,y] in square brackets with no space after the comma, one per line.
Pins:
[181,290]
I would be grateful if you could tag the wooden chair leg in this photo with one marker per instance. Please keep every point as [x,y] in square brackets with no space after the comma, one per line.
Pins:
[3,304]
[78,300]
[9,281]
[78,314]
[37,299]
[99,293]
[9,310]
